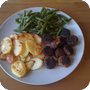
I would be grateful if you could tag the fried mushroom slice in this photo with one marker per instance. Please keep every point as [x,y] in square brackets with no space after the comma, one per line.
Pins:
[47,38]
[68,50]
[49,62]
[64,61]
[72,40]
[47,51]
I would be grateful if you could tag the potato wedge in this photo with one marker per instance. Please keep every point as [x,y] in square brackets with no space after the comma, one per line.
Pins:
[2,56]
[25,36]
[24,52]
[29,64]
[10,57]
[38,63]
[38,39]
[18,47]
[13,36]
[18,68]
[6,45]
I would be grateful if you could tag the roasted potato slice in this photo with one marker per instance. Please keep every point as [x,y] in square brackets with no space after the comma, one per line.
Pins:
[38,50]
[13,36]
[33,47]
[18,47]
[22,59]
[40,56]
[18,68]
[30,44]
[10,57]
[6,45]
[29,64]
[2,56]
[18,58]
[38,63]
[38,39]
[28,58]
[25,36]
[24,52]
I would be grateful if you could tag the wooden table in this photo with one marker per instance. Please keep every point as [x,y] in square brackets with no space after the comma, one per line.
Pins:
[80,12]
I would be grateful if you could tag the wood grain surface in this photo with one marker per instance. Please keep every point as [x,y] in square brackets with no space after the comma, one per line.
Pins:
[80,12]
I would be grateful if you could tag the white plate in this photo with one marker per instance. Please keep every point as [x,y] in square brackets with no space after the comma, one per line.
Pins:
[43,75]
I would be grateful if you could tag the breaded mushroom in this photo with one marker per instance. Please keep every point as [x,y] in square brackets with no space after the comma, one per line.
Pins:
[55,43]
[59,52]
[65,33]
[68,50]
[72,40]
[63,40]
[49,62]
[47,38]
[64,61]
[47,51]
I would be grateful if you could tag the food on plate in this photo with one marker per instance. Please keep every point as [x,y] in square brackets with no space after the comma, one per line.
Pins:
[38,63]
[25,36]
[18,68]
[65,33]
[59,52]
[17,58]
[38,39]
[17,47]
[33,47]
[48,51]
[42,40]
[49,62]
[6,45]
[47,21]
[47,38]
[10,57]
[23,48]
[13,36]
[29,64]
[55,43]
[68,50]
[28,58]
[63,41]
[64,61]
[2,56]
[24,52]
[72,40]
[40,56]
[22,59]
